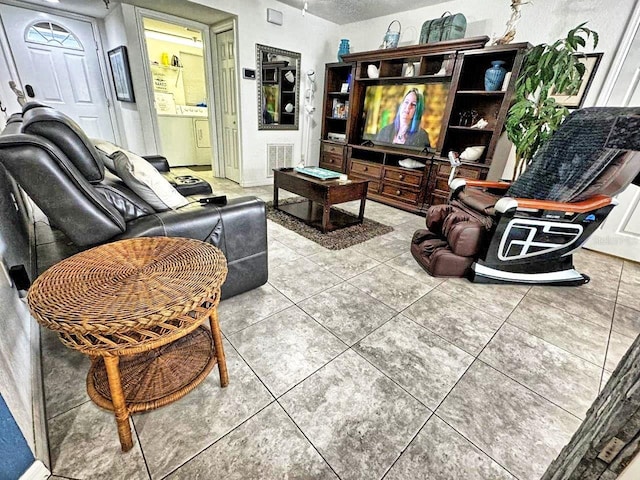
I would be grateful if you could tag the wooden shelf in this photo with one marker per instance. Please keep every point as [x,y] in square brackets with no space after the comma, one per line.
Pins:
[338,94]
[480,92]
[456,127]
[407,79]
[337,118]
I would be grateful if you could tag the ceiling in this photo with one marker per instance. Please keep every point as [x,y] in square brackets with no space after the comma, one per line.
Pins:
[336,11]
[97,8]
[348,11]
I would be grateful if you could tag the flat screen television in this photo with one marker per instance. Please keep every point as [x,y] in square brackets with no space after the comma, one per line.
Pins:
[406,115]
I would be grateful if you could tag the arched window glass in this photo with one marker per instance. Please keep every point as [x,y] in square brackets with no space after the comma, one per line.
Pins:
[47,33]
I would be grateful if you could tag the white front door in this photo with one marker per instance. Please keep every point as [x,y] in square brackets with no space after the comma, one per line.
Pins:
[620,233]
[228,96]
[57,61]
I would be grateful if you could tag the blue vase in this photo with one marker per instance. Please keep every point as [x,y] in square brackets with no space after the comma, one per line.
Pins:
[343,49]
[494,76]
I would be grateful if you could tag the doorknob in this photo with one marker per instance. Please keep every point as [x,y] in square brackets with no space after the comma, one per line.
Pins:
[29,89]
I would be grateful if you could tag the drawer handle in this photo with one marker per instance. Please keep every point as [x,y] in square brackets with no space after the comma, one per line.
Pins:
[366,168]
[401,177]
[331,161]
[398,192]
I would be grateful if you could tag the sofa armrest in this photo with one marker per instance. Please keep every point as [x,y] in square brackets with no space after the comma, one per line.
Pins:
[159,162]
[593,203]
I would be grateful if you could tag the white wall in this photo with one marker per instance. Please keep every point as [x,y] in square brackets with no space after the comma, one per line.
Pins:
[543,21]
[127,114]
[313,38]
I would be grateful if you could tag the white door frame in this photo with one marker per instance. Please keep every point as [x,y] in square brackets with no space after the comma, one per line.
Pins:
[621,55]
[224,26]
[142,13]
[108,89]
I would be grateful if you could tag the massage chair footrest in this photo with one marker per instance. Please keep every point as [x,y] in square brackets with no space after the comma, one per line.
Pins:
[434,255]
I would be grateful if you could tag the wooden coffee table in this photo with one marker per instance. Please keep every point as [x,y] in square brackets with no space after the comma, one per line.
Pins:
[321,195]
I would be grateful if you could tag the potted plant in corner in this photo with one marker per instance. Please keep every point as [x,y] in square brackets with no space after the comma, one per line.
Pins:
[547,68]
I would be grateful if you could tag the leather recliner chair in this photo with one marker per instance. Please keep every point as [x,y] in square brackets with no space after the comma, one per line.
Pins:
[55,163]
[525,232]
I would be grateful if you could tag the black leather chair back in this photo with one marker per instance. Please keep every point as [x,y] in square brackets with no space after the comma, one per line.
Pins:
[58,188]
[67,135]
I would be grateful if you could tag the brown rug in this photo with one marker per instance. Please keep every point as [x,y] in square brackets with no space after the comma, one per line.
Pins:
[336,240]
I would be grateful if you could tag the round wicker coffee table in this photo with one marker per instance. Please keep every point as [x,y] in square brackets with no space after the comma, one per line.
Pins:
[137,307]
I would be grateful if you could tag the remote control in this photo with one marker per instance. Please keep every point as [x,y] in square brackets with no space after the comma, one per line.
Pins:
[220,200]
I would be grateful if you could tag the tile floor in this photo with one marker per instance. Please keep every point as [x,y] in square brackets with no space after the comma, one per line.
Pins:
[356,364]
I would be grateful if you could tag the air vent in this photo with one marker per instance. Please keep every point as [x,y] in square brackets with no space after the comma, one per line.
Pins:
[279,155]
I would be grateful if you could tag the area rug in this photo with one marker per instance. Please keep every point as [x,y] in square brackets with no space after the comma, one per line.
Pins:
[336,240]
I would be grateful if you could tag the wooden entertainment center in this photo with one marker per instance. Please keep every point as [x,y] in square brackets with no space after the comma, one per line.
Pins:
[460,63]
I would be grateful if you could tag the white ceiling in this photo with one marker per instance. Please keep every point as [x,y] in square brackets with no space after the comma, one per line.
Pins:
[97,8]
[348,11]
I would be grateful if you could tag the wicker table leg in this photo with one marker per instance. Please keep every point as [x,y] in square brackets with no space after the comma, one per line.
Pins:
[217,343]
[119,404]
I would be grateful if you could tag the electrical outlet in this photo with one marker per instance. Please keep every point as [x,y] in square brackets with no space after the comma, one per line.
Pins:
[612,450]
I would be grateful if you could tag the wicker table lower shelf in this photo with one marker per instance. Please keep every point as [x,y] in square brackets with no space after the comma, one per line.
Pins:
[158,377]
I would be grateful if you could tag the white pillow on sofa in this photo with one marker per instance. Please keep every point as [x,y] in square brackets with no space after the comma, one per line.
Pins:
[141,177]
[106,149]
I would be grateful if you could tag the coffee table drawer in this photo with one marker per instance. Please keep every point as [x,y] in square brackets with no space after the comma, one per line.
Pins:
[374,185]
[366,169]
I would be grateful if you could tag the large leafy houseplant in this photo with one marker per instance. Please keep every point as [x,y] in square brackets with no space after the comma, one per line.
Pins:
[547,69]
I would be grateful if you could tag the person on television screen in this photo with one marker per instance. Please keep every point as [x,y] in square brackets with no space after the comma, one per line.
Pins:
[405,129]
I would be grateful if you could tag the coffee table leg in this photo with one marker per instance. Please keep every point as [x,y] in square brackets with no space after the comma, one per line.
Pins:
[217,343]
[275,193]
[119,403]
[361,214]
[326,217]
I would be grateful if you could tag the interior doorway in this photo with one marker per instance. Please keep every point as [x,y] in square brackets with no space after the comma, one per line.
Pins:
[227,101]
[176,57]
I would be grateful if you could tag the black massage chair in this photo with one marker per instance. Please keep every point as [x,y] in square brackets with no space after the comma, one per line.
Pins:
[525,232]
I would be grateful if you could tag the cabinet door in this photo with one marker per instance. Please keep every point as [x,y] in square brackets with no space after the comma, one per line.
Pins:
[178,153]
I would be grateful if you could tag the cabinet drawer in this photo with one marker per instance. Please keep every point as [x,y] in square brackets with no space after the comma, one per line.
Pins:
[335,149]
[442,183]
[399,193]
[402,176]
[366,169]
[332,162]
[464,172]
[374,186]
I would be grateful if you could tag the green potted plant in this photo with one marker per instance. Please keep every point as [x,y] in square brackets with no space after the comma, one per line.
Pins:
[547,68]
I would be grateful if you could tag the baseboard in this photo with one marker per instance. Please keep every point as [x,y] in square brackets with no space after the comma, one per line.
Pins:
[37,398]
[37,471]
[258,183]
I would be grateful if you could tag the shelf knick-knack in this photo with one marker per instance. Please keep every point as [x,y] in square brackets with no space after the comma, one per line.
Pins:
[343,49]
[494,76]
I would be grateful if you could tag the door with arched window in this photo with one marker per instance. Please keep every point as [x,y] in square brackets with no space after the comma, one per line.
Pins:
[57,61]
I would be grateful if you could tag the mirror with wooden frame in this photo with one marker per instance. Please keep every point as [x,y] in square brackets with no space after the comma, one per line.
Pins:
[278,79]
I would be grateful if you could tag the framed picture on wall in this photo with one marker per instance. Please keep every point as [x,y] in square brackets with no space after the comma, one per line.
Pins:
[121,73]
[591,62]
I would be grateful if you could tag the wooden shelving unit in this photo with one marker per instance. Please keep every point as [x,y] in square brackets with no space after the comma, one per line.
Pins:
[462,64]
[333,152]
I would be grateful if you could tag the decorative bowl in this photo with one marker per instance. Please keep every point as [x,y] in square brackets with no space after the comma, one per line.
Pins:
[471,154]
[372,71]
